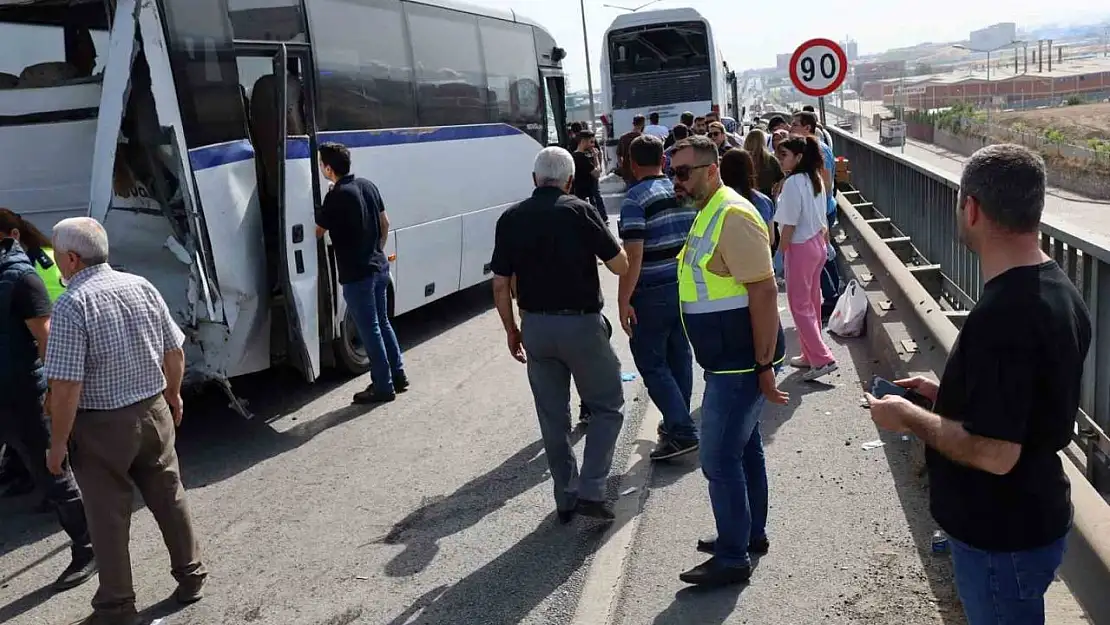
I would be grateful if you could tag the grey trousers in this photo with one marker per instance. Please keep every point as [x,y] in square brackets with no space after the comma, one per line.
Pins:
[558,347]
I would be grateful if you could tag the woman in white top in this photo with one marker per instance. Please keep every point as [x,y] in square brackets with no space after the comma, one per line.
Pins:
[803,227]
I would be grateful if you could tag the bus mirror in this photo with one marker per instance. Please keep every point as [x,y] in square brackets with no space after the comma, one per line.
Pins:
[558,54]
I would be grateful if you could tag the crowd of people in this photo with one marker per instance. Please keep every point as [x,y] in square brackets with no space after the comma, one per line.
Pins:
[704,216]
[91,360]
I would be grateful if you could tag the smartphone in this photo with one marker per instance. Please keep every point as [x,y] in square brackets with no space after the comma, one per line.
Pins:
[881,387]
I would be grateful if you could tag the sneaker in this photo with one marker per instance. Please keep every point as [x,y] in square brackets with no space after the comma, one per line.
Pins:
[594,509]
[80,570]
[799,363]
[818,372]
[372,396]
[671,448]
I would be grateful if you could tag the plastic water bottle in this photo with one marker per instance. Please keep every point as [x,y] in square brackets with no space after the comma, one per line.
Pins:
[940,542]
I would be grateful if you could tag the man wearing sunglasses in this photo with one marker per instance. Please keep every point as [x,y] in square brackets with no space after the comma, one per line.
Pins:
[728,303]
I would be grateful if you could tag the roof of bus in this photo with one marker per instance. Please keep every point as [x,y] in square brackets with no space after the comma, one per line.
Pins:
[645,18]
[510,15]
[467,7]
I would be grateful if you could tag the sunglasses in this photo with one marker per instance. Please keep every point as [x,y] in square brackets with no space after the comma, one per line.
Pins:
[682,172]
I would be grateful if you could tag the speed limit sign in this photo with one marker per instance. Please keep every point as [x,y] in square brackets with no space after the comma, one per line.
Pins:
[818,67]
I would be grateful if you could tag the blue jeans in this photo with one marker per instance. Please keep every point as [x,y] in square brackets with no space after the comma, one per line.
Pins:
[366,300]
[1005,588]
[733,462]
[662,356]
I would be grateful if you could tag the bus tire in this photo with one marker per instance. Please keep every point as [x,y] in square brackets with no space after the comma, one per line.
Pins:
[350,355]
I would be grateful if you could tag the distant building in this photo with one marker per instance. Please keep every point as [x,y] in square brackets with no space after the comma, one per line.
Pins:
[851,50]
[993,37]
[872,72]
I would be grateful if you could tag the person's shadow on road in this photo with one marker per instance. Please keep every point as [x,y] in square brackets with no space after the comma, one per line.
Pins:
[422,529]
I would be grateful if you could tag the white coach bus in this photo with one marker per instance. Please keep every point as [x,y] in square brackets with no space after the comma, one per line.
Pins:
[664,62]
[189,128]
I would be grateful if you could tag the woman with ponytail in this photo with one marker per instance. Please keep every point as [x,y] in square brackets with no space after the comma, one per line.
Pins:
[38,247]
[803,228]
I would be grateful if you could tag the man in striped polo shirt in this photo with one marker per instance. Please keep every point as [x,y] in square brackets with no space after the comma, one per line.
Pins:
[653,227]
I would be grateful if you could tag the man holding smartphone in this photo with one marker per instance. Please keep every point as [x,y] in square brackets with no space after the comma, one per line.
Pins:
[1007,401]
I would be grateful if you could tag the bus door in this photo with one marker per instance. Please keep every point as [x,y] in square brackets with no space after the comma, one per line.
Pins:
[277,83]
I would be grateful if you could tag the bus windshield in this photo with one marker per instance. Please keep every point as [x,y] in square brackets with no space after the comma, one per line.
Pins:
[659,48]
[660,64]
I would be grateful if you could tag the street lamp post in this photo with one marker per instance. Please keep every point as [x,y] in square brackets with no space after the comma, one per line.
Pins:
[990,87]
[589,72]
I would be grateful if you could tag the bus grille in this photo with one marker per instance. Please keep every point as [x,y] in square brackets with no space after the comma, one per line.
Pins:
[661,88]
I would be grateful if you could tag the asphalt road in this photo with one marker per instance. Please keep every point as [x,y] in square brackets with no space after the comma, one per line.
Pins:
[435,509]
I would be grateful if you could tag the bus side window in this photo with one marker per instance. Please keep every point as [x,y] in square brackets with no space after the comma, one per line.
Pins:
[365,82]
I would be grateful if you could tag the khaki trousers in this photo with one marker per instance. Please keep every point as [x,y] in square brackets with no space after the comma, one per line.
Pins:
[114,451]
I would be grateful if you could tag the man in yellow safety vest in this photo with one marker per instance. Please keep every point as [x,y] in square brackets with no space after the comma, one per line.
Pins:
[729,309]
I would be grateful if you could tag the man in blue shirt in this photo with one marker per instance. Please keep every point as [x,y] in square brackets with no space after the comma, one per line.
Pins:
[653,227]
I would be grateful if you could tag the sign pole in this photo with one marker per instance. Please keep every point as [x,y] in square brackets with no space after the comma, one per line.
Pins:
[821,108]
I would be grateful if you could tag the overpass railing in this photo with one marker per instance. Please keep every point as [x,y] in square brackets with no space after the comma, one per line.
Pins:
[920,201]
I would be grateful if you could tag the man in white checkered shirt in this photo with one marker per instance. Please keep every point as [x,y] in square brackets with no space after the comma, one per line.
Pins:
[115,364]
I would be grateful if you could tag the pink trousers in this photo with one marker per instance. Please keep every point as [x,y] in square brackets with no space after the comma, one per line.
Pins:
[803,263]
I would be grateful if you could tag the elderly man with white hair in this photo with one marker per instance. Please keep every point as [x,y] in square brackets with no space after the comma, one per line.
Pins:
[115,362]
[550,243]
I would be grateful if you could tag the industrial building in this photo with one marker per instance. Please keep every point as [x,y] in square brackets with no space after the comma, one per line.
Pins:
[1088,78]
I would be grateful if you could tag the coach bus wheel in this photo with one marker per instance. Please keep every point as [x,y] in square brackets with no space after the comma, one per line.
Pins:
[350,355]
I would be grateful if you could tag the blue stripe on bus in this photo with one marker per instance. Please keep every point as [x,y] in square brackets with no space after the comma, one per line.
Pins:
[297,147]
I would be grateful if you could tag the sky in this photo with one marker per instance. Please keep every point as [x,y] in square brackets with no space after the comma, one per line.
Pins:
[749,39]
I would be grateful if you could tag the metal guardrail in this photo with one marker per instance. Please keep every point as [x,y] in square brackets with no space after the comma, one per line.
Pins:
[920,203]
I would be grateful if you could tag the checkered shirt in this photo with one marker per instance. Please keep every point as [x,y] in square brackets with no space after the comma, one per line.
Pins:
[110,330]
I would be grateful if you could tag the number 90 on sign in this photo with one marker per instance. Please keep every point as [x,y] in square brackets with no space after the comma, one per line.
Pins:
[818,67]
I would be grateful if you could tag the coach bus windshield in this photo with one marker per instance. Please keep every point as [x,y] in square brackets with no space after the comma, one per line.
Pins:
[660,64]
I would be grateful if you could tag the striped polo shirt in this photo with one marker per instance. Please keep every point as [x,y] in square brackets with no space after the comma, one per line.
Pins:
[650,213]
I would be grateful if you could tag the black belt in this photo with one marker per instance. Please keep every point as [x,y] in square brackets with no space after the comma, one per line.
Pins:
[566,312]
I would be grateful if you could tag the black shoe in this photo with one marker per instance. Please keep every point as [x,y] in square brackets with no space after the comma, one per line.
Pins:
[566,516]
[712,573]
[400,382]
[594,509]
[81,568]
[190,591]
[757,546]
[671,448]
[372,396]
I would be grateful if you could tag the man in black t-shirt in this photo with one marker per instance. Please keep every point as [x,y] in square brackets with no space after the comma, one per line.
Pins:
[1007,401]
[551,243]
[587,171]
[354,214]
[24,328]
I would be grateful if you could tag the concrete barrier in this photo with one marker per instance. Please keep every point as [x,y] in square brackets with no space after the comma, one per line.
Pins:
[912,336]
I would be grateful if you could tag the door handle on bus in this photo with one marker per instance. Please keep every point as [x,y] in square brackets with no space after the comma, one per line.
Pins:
[298,233]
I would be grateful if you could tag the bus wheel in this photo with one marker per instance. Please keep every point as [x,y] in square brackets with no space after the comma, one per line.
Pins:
[350,355]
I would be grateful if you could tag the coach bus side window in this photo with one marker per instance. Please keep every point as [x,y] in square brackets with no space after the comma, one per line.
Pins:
[450,77]
[207,77]
[365,73]
[510,52]
[269,20]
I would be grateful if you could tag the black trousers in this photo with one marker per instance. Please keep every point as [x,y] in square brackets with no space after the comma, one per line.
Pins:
[25,428]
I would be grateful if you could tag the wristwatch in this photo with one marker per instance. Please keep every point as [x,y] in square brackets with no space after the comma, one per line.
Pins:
[760,368]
